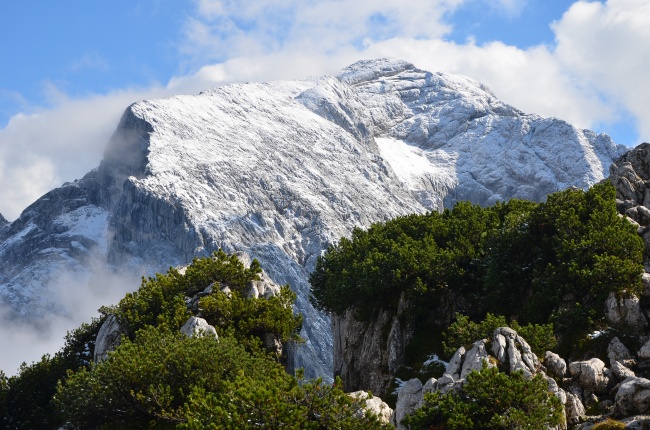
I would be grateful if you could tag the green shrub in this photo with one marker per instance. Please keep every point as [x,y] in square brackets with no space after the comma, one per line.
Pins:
[490,399]
[160,302]
[242,317]
[522,260]
[150,379]
[609,424]
[163,379]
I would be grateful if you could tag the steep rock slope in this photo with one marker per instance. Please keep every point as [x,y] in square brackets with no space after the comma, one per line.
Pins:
[281,170]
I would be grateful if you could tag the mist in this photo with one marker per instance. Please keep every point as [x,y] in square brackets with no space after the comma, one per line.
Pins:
[71,299]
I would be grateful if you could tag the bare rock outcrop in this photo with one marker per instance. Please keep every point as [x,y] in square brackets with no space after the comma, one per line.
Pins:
[196,326]
[592,375]
[625,311]
[374,405]
[408,400]
[504,347]
[555,364]
[633,397]
[108,338]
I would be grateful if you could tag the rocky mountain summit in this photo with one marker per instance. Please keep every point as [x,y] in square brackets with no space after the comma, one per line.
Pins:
[280,171]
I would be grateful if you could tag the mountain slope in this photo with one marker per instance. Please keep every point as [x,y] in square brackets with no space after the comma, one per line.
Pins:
[281,170]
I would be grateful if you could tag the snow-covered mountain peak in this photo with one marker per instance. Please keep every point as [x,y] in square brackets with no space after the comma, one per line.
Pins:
[283,169]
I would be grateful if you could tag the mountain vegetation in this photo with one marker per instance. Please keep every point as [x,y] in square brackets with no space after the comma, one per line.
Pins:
[160,378]
[548,263]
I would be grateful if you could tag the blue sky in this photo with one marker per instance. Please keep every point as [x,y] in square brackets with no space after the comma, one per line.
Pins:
[71,67]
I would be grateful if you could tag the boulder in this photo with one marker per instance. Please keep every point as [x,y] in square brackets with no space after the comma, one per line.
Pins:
[625,311]
[616,351]
[456,364]
[643,214]
[633,397]
[475,358]
[408,399]
[108,338]
[573,408]
[591,374]
[555,364]
[374,405]
[446,383]
[196,326]
[621,371]
[644,352]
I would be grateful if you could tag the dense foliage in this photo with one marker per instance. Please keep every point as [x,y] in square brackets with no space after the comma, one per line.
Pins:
[533,263]
[163,379]
[161,301]
[159,378]
[490,399]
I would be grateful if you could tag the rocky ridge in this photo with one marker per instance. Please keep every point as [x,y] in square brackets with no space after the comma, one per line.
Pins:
[280,171]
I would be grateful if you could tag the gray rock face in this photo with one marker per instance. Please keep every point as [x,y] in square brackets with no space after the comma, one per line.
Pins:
[633,397]
[616,351]
[362,354]
[555,364]
[475,358]
[108,338]
[591,374]
[196,326]
[574,409]
[3,221]
[408,399]
[281,171]
[625,311]
[504,347]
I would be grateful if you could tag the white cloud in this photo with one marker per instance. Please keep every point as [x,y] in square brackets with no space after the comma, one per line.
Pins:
[605,46]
